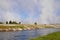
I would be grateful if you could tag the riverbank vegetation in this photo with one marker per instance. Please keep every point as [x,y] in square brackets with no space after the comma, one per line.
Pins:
[53,36]
[14,27]
[35,25]
[11,26]
[25,26]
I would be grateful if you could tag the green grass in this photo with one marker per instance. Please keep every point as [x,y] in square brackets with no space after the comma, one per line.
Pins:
[6,27]
[53,36]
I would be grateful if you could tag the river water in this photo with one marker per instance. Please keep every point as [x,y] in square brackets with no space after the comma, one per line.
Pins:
[26,34]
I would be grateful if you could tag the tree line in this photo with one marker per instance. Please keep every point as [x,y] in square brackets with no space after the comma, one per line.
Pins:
[14,22]
[10,22]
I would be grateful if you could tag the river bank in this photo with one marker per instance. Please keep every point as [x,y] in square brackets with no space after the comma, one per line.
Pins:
[15,27]
[52,36]
[19,27]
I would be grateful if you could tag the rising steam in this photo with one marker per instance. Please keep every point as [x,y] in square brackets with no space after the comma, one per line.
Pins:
[29,11]
[47,12]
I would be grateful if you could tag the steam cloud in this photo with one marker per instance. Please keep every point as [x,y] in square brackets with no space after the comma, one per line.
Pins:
[41,11]
[47,11]
[48,14]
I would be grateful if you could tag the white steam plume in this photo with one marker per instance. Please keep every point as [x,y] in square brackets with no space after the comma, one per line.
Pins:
[47,10]
[41,11]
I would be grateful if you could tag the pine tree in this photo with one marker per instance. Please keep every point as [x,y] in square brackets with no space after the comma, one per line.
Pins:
[6,22]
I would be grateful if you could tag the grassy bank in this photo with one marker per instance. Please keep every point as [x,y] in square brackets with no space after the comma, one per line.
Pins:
[53,36]
[4,26]
[14,27]
[11,27]
[7,26]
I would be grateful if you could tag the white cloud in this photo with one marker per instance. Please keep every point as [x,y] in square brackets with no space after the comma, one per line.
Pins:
[7,13]
[12,16]
[29,6]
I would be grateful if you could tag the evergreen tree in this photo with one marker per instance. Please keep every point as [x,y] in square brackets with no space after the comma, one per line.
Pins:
[14,22]
[10,22]
[6,22]
[35,23]
[19,22]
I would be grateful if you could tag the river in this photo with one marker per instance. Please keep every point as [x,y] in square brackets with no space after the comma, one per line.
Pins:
[26,34]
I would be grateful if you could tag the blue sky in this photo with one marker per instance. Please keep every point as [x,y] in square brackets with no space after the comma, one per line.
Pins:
[30,11]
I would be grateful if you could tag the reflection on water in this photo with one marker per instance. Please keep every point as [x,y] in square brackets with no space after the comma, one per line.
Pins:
[25,35]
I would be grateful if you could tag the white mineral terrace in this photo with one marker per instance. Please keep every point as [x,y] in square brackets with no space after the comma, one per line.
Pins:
[26,27]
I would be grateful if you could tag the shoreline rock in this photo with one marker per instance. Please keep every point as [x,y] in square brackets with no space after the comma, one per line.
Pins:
[14,29]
